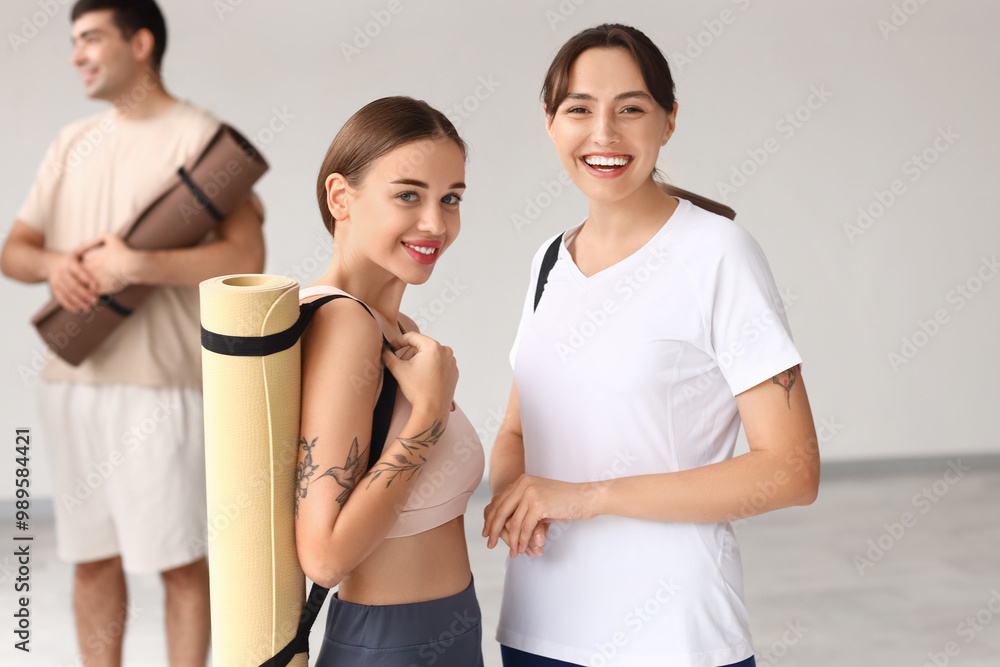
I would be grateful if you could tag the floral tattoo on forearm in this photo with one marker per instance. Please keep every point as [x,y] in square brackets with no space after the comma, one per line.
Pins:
[416,448]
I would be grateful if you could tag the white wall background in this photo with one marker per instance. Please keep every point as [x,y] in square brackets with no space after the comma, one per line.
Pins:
[897,73]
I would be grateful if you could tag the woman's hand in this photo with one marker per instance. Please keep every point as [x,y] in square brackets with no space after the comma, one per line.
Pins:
[536,545]
[530,501]
[427,374]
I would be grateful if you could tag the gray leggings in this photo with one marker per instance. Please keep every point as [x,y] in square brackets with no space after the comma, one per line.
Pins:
[445,633]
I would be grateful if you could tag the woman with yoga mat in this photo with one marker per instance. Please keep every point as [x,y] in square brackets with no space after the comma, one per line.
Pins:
[659,330]
[389,532]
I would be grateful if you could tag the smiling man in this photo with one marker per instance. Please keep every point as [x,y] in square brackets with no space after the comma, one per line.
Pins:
[130,416]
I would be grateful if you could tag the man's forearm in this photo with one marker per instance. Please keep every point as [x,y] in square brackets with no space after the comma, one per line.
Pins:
[239,249]
[26,263]
[190,266]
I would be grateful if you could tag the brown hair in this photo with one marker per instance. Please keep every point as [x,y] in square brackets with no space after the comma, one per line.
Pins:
[376,129]
[652,64]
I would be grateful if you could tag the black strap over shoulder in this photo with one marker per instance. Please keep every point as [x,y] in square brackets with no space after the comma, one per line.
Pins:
[246,346]
[386,398]
[548,261]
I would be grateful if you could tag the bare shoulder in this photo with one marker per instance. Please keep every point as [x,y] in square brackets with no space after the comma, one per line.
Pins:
[342,334]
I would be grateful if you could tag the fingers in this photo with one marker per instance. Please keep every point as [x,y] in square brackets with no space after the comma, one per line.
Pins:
[529,531]
[81,283]
[68,301]
[538,536]
[420,343]
[493,524]
[497,516]
[534,552]
[499,512]
[502,515]
[515,527]
[86,246]
[486,518]
[73,286]
[390,359]
[82,276]
[536,547]
[413,339]
[426,371]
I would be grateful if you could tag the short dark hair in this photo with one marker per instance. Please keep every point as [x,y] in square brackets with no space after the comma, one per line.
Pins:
[131,16]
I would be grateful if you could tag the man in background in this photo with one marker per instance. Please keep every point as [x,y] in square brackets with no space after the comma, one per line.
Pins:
[135,405]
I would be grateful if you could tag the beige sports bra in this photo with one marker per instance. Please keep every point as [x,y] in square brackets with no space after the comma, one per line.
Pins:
[452,472]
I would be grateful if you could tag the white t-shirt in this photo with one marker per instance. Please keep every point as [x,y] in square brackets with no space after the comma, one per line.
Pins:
[633,371]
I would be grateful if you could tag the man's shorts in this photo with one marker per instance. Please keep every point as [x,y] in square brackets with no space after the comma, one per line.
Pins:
[128,466]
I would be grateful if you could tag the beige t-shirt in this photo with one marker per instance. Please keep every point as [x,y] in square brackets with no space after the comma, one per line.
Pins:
[96,176]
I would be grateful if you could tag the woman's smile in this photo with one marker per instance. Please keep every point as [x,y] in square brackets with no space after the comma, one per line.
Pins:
[606,165]
[423,252]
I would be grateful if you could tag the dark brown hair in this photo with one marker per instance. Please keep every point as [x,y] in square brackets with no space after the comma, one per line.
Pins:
[376,129]
[652,64]
[131,16]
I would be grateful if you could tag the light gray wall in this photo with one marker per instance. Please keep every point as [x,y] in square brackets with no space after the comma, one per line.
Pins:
[854,294]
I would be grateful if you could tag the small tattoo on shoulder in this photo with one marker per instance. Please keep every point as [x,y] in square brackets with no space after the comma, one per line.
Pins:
[787,385]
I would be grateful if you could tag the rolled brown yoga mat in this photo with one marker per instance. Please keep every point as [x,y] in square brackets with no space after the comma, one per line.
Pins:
[202,193]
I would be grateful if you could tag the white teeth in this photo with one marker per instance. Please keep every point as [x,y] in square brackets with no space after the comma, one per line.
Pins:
[422,249]
[600,161]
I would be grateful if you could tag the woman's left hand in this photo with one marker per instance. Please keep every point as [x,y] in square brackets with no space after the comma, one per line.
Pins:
[519,508]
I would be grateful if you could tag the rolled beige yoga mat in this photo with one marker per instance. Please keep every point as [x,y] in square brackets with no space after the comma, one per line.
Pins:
[251,440]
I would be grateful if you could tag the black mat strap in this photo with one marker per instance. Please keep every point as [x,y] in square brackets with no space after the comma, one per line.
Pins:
[300,642]
[548,261]
[199,194]
[262,346]
[114,306]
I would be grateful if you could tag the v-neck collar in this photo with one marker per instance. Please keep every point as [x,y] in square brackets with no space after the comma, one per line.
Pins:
[683,206]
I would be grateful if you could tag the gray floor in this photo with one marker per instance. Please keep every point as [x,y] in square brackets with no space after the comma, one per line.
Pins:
[922,590]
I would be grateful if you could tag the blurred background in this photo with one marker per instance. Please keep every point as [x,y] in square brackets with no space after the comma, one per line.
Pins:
[856,140]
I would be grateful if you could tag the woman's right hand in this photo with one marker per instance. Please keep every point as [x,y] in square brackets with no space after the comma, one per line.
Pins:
[427,376]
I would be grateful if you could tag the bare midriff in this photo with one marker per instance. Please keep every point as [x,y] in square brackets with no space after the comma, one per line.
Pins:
[430,565]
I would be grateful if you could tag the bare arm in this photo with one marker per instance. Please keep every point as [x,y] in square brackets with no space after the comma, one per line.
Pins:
[507,458]
[781,469]
[26,259]
[342,513]
[507,466]
[238,248]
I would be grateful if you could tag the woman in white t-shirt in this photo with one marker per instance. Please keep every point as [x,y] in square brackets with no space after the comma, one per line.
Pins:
[659,330]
